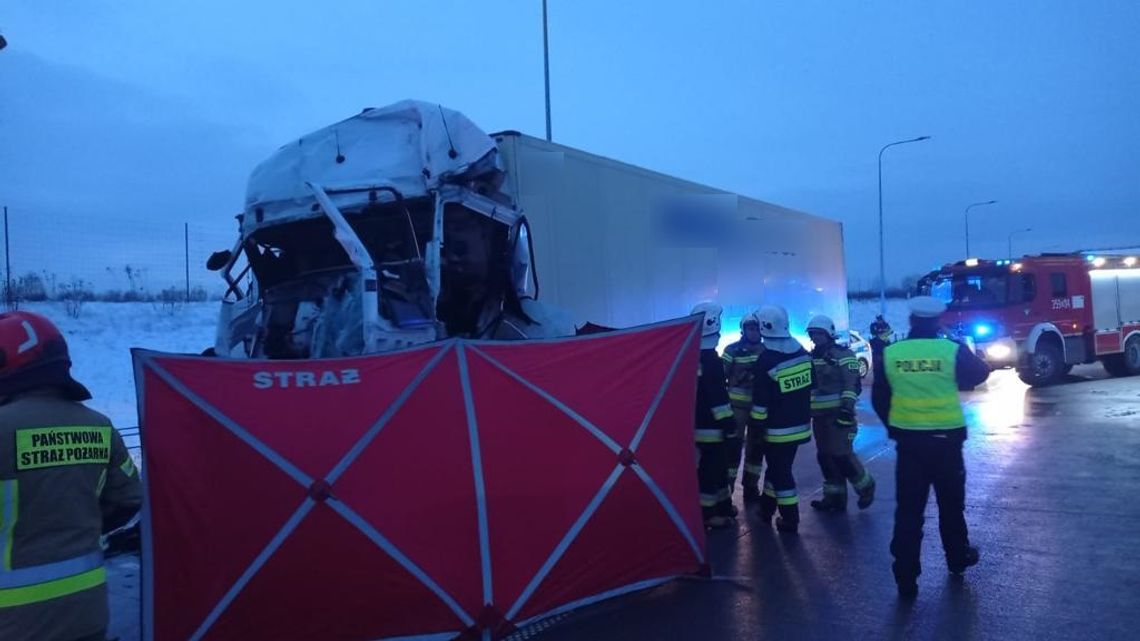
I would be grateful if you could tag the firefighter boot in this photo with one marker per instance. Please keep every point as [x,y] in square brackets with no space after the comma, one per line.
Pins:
[866,493]
[751,483]
[789,519]
[834,499]
[970,559]
[767,508]
[830,503]
[718,522]
[767,502]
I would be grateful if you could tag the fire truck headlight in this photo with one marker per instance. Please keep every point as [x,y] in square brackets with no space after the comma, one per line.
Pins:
[999,351]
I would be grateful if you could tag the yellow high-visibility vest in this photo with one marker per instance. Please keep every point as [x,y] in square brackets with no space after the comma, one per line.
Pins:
[924,389]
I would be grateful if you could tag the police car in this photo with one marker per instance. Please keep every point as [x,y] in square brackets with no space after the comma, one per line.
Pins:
[862,348]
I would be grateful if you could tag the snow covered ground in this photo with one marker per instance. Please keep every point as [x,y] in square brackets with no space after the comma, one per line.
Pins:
[103,335]
[863,312]
[101,339]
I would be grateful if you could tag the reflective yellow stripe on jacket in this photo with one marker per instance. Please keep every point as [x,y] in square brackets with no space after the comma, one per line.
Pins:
[710,436]
[740,394]
[22,586]
[737,369]
[721,412]
[9,514]
[824,401]
[924,390]
[23,595]
[792,434]
[759,413]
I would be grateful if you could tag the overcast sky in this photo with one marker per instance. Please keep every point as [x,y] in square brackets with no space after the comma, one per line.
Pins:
[143,114]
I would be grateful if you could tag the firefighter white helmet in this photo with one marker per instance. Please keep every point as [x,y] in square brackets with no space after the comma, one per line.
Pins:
[823,324]
[710,326]
[773,322]
[750,317]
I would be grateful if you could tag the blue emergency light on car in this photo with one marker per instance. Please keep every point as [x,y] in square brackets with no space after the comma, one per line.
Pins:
[982,329]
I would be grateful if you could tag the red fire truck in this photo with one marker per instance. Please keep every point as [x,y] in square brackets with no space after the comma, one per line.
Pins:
[1044,314]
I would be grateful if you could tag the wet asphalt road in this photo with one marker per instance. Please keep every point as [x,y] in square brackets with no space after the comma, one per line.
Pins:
[1053,501]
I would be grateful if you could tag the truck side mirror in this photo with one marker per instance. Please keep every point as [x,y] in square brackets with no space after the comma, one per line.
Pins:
[218,260]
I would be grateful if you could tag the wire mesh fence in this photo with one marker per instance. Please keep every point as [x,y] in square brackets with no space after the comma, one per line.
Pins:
[72,258]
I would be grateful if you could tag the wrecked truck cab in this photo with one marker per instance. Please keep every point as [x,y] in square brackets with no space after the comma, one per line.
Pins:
[383,231]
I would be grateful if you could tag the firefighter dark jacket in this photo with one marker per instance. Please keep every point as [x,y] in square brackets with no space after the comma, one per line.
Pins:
[65,479]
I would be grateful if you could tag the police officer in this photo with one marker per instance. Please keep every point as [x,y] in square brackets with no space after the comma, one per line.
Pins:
[739,364]
[781,412]
[915,395]
[836,386]
[65,479]
[713,422]
[881,335]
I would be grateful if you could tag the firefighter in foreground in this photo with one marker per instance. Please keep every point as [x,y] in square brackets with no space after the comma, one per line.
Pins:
[65,479]
[781,412]
[836,386]
[739,364]
[713,422]
[915,395]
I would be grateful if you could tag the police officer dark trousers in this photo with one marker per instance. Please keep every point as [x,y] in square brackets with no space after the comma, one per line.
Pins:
[781,412]
[713,421]
[916,395]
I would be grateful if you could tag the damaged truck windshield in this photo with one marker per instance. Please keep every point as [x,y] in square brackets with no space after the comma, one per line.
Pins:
[389,246]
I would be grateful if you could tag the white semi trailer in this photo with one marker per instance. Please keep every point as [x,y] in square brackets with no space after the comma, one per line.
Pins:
[409,224]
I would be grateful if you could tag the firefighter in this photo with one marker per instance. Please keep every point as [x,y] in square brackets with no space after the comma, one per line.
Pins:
[739,364]
[915,394]
[65,479]
[836,386]
[713,422]
[781,412]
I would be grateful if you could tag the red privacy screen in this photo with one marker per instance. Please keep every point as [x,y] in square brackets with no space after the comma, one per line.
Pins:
[462,489]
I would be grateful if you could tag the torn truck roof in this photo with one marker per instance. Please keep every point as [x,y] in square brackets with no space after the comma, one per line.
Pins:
[411,146]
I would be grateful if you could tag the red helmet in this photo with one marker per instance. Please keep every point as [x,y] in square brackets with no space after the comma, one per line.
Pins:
[33,354]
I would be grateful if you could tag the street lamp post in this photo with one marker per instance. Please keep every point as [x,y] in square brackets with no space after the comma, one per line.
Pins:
[967,216]
[546,67]
[882,259]
[1011,235]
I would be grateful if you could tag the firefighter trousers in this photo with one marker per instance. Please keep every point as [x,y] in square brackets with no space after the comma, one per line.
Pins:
[837,459]
[779,483]
[925,461]
[712,481]
[754,454]
[737,443]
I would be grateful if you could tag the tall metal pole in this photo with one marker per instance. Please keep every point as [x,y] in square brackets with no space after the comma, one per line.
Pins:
[546,67]
[967,216]
[882,259]
[186,239]
[1011,235]
[7,263]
